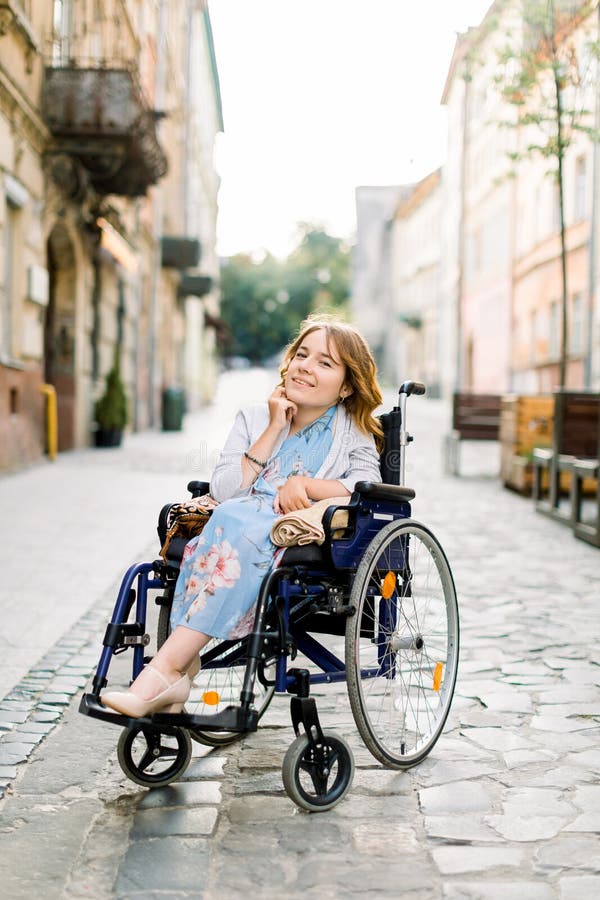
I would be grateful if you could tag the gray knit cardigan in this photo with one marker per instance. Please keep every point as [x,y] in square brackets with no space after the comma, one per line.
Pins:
[352,457]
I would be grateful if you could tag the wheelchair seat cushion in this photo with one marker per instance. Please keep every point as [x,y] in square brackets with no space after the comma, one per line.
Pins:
[305,554]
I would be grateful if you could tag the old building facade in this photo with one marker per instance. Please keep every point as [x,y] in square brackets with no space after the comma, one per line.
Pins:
[497,243]
[109,199]
[537,270]
[481,188]
[372,299]
[414,337]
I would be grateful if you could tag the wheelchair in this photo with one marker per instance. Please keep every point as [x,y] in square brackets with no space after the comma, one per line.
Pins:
[381,584]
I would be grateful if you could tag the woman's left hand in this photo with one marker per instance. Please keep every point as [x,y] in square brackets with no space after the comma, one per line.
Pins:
[292,495]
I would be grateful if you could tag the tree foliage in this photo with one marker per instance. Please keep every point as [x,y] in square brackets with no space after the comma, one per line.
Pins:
[547,77]
[263,301]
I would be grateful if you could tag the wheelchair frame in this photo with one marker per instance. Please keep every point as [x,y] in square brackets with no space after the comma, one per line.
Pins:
[336,588]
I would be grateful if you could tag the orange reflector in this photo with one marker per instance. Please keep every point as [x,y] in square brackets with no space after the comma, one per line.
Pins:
[388,585]
[437,676]
[211,698]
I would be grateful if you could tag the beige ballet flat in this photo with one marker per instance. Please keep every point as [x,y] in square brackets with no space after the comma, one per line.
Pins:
[171,700]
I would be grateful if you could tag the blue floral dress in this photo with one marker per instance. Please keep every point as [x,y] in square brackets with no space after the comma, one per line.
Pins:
[223,567]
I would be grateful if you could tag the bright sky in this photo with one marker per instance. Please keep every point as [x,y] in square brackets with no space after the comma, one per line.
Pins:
[320,96]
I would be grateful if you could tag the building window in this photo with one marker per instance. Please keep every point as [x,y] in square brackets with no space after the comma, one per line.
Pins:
[477,103]
[554,336]
[477,250]
[533,337]
[538,232]
[580,185]
[555,208]
[61,32]
[13,401]
[576,341]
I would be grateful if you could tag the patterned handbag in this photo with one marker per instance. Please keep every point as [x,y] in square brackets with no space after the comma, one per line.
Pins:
[187,519]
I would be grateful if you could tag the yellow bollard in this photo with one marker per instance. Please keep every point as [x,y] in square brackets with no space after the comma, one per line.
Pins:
[51,420]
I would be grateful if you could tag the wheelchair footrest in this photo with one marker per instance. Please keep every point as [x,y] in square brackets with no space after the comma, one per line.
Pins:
[232,718]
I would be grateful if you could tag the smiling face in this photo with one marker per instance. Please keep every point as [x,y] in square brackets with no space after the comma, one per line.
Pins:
[315,378]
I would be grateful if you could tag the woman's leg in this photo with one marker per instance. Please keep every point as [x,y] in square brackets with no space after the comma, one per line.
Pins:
[173,659]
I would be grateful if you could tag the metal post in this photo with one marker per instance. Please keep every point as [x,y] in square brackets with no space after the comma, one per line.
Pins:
[403,435]
[589,349]
[156,222]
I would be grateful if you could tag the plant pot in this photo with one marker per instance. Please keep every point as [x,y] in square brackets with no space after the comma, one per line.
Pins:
[108,437]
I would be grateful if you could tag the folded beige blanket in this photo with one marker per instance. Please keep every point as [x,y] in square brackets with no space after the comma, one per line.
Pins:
[305,525]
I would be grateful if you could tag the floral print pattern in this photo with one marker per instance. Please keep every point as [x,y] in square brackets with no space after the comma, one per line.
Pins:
[222,568]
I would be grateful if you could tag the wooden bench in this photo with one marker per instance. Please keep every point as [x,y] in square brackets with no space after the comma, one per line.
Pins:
[585,470]
[525,422]
[475,417]
[575,448]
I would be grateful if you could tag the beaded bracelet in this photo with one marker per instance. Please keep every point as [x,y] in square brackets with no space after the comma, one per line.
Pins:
[256,461]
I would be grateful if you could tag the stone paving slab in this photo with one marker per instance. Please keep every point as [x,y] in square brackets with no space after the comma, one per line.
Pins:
[177,864]
[503,890]
[159,823]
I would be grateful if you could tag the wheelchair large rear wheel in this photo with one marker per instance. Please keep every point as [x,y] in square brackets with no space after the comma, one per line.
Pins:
[219,682]
[402,644]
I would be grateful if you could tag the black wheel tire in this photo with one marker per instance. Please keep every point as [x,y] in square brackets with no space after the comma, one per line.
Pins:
[152,758]
[401,705]
[302,780]
[206,679]
[163,628]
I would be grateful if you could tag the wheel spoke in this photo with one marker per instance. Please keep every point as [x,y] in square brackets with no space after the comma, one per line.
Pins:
[219,683]
[147,759]
[319,780]
[404,630]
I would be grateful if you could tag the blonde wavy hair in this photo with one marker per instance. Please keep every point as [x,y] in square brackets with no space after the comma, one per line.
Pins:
[361,371]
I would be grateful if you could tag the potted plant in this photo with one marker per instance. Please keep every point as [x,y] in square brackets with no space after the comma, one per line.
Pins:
[111,410]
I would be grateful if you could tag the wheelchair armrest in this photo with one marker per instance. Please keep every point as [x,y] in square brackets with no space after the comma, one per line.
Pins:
[198,488]
[330,512]
[380,491]
[364,490]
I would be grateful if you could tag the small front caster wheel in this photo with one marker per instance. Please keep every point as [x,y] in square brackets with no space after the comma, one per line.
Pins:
[318,776]
[153,758]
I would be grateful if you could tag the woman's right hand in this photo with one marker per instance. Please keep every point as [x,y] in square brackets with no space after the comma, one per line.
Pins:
[281,410]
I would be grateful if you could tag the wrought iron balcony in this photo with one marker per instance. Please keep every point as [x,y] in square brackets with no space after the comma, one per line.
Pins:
[99,116]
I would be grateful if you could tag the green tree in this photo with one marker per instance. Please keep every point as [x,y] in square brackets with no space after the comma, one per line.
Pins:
[264,301]
[317,271]
[248,292]
[546,76]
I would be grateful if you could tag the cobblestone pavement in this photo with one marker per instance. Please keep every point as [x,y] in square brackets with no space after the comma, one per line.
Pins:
[506,806]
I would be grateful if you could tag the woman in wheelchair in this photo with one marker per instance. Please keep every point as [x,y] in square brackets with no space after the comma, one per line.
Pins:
[314,439]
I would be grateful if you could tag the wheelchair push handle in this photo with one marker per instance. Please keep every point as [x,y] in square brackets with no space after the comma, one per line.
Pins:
[198,488]
[412,387]
[406,389]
